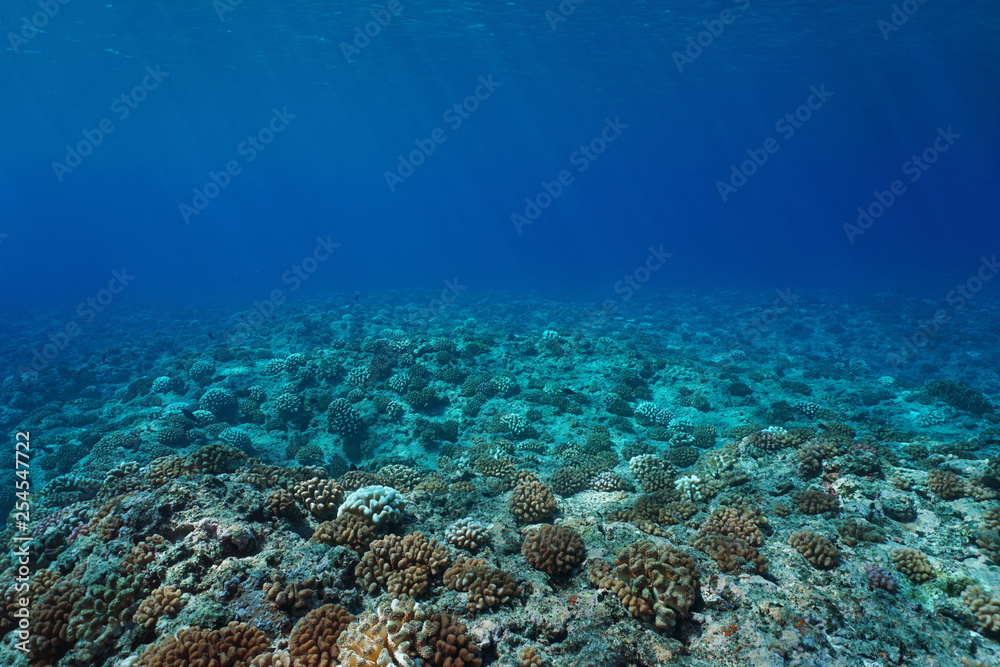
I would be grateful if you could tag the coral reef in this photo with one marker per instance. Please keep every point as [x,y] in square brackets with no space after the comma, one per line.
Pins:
[552,494]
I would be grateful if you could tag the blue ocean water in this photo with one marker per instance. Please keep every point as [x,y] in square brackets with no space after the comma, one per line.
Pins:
[181,88]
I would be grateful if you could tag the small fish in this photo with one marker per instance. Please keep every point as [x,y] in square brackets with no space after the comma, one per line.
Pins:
[568,391]
[353,467]
[357,295]
[212,336]
[190,415]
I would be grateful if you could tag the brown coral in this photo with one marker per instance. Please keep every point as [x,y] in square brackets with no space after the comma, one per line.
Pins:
[100,615]
[123,478]
[276,659]
[662,507]
[531,501]
[352,480]
[947,485]
[984,606]
[211,459]
[50,622]
[401,565]
[816,549]
[165,601]
[216,458]
[444,641]
[108,528]
[401,478]
[657,584]
[502,468]
[314,639]
[554,550]
[731,553]
[234,645]
[350,530]
[856,530]
[142,554]
[653,473]
[816,501]
[166,468]
[811,458]
[267,476]
[569,480]
[736,521]
[988,542]
[11,592]
[467,534]
[771,439]
[432,484]
[320,496]
[913,564]
[401,633]
[991,518]
[486,586]
[294,595]
[282,504]
[529,657]
[609,481]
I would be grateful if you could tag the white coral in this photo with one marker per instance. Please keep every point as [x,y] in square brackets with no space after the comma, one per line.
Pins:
[467,533]
[376,503]
[689,486]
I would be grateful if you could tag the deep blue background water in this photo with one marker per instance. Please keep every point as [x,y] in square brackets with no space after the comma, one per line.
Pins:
[656,184]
